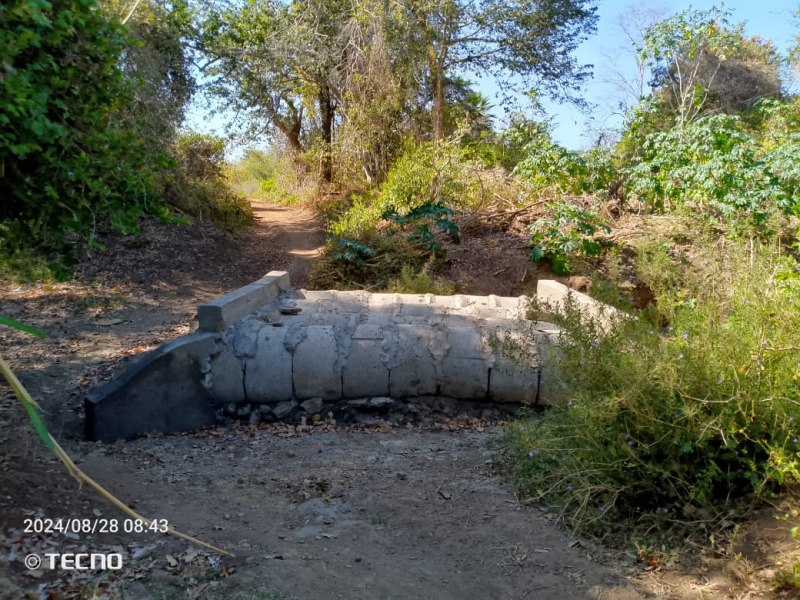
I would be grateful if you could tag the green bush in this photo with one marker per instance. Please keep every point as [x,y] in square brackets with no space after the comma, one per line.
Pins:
[198,185]
[415,203]
[671,416]
[550,167]
[715,165]
[565,233]
[438,173]
[65,164]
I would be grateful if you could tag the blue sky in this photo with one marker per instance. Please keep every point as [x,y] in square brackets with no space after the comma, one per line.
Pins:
[771,19]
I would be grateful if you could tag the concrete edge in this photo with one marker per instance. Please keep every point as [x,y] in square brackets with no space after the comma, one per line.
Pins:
[140,399]
[556,294]
[225,310]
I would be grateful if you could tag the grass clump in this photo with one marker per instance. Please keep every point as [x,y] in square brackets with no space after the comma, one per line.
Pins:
[665,420]
[371,264]
[786,582]
[23,265]
[411,281]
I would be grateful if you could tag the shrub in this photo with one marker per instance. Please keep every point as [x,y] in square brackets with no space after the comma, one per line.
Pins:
[669,417]
[548,166]
[65,163]
[437,173]
[565,233]
[716,166]
[198,185]
[371,263]
[412,281]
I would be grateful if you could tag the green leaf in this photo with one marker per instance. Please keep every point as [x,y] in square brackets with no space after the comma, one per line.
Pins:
[8,322]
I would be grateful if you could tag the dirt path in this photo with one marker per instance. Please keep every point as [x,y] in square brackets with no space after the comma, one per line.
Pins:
[337,514]
[295,231]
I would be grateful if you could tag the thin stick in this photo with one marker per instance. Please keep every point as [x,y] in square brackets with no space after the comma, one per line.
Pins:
[81,477]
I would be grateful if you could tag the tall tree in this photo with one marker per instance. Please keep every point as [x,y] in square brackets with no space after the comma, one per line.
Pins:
[157,59]
[531,40]
[281,62]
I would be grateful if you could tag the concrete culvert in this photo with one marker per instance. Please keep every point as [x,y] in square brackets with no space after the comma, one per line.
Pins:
[268,352]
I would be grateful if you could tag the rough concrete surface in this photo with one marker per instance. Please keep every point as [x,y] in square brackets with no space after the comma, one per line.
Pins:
[282,345]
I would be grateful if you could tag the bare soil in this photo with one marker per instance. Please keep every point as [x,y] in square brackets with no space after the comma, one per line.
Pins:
[323,511]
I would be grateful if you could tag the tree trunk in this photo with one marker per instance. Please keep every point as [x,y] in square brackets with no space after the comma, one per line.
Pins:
[437,81]
[292,134]
[327,113]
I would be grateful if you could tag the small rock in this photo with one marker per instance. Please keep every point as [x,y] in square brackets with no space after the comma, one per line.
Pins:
[266,414]
[290,310]
[359,404]
[230,409]
[243,411]
[402,476]
[284,409]
[313,406]
[381,403]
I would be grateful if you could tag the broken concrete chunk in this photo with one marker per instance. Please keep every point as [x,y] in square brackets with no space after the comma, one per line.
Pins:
[284,409]
[313,406]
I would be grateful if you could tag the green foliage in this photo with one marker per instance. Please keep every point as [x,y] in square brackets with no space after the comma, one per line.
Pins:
[549,166]
[254,175]
[23,265]
[714,163]
[412,281]
[156,62]
[64,161]
[425,220]
[425,185]
[359,219]
[198,184]
[701,64]
[351,251]
[675,414]
[568,231]
[439,173]
[9,322]
[369,263]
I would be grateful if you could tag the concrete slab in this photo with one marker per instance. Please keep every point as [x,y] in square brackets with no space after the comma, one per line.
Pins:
[513,383]
[466,378]
[365,372]
[314,365]
[415,372]
[268,375]
[227,376]
[217,314]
